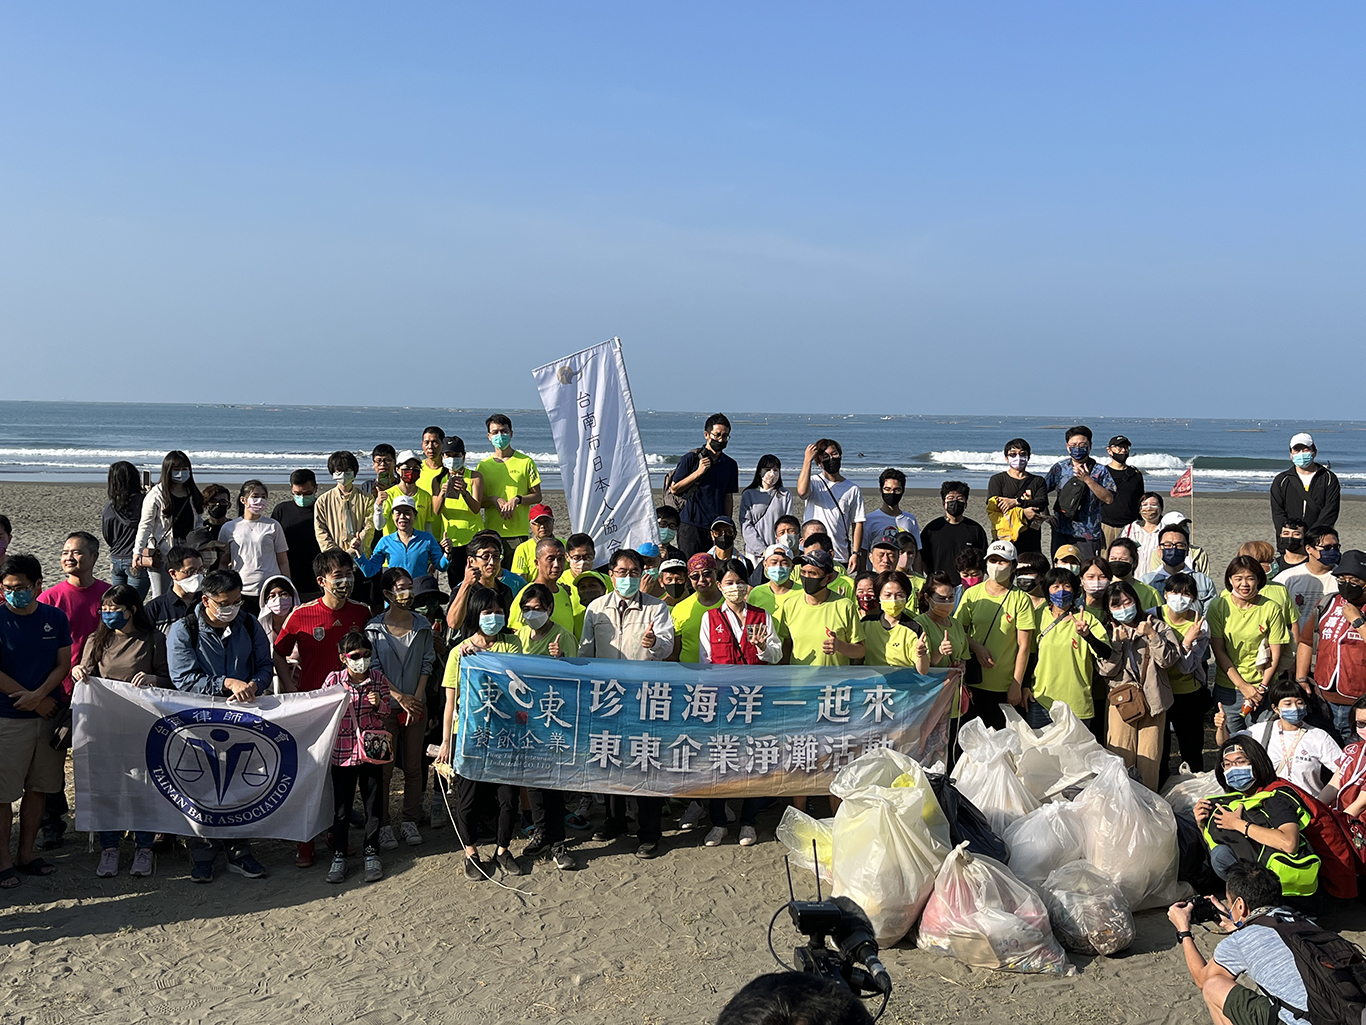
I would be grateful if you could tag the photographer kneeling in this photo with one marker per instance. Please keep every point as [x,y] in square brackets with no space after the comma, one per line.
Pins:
[1256,948]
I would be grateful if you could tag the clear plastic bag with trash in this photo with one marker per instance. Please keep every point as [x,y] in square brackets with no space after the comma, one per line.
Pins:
[985,775]
[1088,912]
[1130,836]
[797,831]
[888,839]
[1045,839]
[982,915]
[1186,788]
[1056,756]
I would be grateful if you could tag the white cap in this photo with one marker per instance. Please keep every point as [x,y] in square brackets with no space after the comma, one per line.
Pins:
[1171,519]
[406,456]
[1307,440]
[1004,549]
[403,502]
[782,550]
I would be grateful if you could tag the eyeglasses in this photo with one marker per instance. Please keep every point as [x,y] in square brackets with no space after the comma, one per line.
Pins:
[226,604]
[1176,548]
[1322,548]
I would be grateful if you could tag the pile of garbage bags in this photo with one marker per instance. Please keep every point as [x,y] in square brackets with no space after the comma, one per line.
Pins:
[1041,841]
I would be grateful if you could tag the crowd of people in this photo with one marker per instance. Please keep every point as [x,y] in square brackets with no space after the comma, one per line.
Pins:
[381,585]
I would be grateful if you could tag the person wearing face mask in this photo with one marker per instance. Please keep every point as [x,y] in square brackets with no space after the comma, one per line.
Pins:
[1144,532]
[1095,578]
[171,509]
[1068,557]
[186,572]
[341,515]
[833,500]
[1143,650]
[723,542]
[367,708]
[1289,547]
[865,594]
[539,633]
[1174,547]
[1332,655]
[210,652]
[891,635]
[409,469]
[972,570]
[458,507]
[1122,555]
[673,579]
[1070,641]
[889,516]
[843,584]
[1128,490]
[705,482]
[548,571]
[945,638]
[384,462]
[1015,488]
[433,467]
[257,548]
[999,622]
[542,519]
[666,519]
[760,506]
[580,554]
[820,628]
[512,485]
[1306,491]
[1346,791]
[217,511]
[1187,676]
[1300,754]
[278,599]
[689,613]
[1083,487]
[126,647]
[296,519]
[943,538]
[405,650]
[1247,632]
[1312,579]
[780,583]
[119,525]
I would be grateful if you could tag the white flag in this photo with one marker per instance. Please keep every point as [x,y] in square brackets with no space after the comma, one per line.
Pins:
[602,462]
[171,762]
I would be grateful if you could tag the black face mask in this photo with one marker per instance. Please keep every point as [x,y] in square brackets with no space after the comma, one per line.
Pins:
[1121,458]
[892,498]
[813,585]
[218,510]
[674,590]
[1290,544]
[718,446]
[723,541]
[955,508]
[1351,593]
[1121,568]
[832,465]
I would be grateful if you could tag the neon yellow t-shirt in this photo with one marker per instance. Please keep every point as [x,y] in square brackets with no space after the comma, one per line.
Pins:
[460,523]
[563,612]
[1242,631]
[423,501]
[687,616]
[517,475]
[451,679]
[806,625]
[993,622]
[894,647]
[569,644]
[1182,683]
[934,637]
[766,598]
[426,478]
[1065,663]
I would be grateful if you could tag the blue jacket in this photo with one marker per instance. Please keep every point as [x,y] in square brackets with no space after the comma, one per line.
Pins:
[242,653]
[413,557]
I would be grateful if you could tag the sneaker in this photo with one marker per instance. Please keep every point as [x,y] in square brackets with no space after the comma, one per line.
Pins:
[201,871]
[748,837]
[609,830]
[303,855]
[337,872]
[648,850]
[410,834]
[247,866]
[50,839]
[474,869]
[715,836]
[563,860]
[109,863]
[692,818]
[508,863]
[387,841]
[374,868]
[537,845]
[144,862]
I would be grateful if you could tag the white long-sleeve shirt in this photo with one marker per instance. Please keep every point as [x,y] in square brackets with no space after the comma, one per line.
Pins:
[771,652]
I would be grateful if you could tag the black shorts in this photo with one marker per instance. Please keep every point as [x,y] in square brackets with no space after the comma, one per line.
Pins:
[1244,1006]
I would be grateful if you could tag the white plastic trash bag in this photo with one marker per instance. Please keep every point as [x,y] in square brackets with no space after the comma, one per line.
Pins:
[1043,840]
[889,839]
[1130,835]
[797,830]
[1088,912]
[986,775]
[1185,788]
[982,915]
[1057,755]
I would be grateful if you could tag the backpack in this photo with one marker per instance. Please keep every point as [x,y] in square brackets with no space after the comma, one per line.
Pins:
[669,498]
[1072,497]
[1333,970]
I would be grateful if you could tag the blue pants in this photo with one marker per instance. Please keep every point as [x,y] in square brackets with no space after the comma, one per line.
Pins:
[1221,859]
[1037,716]
[121,572]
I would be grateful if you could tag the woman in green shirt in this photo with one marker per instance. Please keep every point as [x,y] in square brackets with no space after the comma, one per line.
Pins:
[539,634]
[944,635]
[891,636]
[1070,640]
[1190,699]
[485,629]
[1247,632]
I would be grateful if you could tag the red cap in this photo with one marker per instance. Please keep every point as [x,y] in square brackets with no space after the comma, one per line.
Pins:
[537,511]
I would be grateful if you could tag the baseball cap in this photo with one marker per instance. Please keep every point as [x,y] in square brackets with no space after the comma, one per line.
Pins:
[1006,550]
[403,502]
[1067,552]
[724,521]
[1303,438]
[819,558]
[649,549]
[1171,519]
[673,565]
[1353,564]
[537,511]
[1120,441]
[887,539]
[777,550]
[406,456]
[453,445]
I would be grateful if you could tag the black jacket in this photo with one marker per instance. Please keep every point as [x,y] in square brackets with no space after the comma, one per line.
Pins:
[1318,506]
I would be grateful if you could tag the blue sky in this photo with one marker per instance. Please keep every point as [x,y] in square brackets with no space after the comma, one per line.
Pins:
[984,208]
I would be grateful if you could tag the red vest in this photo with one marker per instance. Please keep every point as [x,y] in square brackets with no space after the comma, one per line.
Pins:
[726,648]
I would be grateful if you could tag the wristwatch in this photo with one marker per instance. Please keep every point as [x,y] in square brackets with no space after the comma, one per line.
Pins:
[1358,624]
[1185,934]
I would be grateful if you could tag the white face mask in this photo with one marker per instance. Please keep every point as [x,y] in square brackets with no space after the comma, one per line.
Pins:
[1095,586]
[280,604]
[999,571]
[227,613]
[359,666]
[451,463]
[1180,602]
[770,479]
[535,618]
[192,584]
[343,477]
[256,506]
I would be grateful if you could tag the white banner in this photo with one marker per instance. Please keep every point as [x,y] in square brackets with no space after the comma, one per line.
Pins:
[171,762]
[602,462]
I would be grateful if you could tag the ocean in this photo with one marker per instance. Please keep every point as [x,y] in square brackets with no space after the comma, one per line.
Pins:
[69,441]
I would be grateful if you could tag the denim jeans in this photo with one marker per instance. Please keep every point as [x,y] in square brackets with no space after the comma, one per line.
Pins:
[121,572]
[1342,722]
[112,838]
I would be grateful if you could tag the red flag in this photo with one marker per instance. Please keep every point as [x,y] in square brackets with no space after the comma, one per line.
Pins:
[1185,484]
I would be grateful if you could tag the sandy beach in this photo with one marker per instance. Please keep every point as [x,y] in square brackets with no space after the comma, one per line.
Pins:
[619,941]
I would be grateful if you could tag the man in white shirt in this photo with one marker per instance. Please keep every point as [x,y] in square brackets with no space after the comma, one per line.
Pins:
[835,501]
[1312,579]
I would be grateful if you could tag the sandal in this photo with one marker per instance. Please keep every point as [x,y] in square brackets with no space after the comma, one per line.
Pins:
[9,878]
[37,867]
